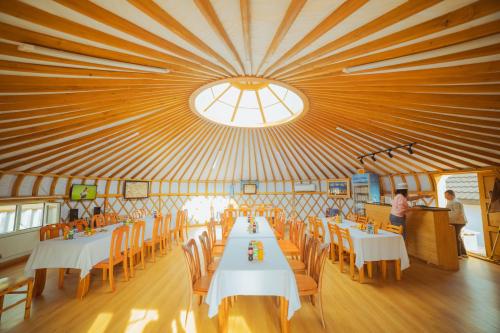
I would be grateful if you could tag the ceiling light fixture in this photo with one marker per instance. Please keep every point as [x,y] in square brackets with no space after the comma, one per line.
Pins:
[80,57]
[408,147]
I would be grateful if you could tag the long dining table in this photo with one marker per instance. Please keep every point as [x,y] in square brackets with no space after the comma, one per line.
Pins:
[82,253]
[237,276]
[370,248]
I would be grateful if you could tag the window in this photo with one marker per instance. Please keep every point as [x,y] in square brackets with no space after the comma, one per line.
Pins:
[26,216]
[248,102]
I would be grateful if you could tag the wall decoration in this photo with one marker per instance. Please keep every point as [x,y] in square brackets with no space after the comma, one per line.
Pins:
[83,192]
[249,188]
[136,189]
[339,188]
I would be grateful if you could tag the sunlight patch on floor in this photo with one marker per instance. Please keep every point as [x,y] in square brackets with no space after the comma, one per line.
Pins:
[139,319]
[100,323]
[190,324]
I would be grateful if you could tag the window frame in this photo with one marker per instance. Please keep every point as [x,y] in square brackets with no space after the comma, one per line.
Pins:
[17,218]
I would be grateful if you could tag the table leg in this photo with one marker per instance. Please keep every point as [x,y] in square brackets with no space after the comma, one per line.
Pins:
[223,315]
[83,287]
[285,323]
[370,269]
[398,269]
[40,278]
[362,274]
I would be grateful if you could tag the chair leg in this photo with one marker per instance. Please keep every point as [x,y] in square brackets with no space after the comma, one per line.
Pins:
[313,300]
[341,261]
[142,258]
[111,278]
[131,263]
[200,300]
[384,269]
[104,274]
[1,305]
[125,267]
[398,269]
[351,265]
[29,296]
[320,304]
[60,283]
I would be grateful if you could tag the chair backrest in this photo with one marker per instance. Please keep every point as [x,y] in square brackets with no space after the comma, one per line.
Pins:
[261,210]
[397,229]
[293,232]
[344,237]
[301,238]
[310,253]
[193,260]
[311,220]
[318,268]
[119,244]
[137,237]
[52,231]
[244,210]
[333,234]
[157,228]
[319,229]
[178,220]
[97,221]
[80,225]
[165,227]
[206,248]
[110,219]
[362,219]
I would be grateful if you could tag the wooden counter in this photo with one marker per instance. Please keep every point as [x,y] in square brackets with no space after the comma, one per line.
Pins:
[429,236]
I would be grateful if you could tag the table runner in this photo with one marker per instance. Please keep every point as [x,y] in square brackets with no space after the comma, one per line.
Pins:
[236,275]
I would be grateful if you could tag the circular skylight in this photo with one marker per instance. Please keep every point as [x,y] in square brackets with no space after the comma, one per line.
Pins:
[248,102]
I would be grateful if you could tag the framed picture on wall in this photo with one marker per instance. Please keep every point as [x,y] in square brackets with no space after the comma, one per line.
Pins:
[249,188]
[339,188]
[136,189]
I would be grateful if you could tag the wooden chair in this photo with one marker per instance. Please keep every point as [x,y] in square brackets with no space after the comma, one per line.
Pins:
[345,247]
[275,212]
[352,217]
[9,286]
[299,265]
[165,232]
[97,221]
[362,219]
[177,230]
[319,230]
[217,247]
[80,225]
[334,243]
[155,237]
[311,284]
[118,253]
[279,225]
[110,219]
[311,224]
[397,229]
[198,283]
[244,210]
[208,260]
[184,225]
[290,247]
[136,244]
[261,210]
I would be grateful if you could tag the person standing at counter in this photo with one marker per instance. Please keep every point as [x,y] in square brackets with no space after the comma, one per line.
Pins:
[457,219]
[400,206]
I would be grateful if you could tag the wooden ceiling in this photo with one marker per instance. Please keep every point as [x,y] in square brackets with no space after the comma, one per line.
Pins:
[377,74]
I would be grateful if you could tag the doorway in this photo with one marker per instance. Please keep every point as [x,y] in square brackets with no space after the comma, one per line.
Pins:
[466,188]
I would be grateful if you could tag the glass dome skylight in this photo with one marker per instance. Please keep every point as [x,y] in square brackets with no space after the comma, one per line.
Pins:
[248,102]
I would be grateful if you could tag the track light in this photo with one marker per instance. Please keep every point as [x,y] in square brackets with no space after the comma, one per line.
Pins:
[389,153]
[361,160]
[410,150]
[373,157]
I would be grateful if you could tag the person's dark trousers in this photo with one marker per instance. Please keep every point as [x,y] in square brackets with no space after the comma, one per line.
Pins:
[460,242]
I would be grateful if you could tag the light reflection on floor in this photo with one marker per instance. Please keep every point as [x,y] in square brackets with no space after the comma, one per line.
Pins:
[139,319]
[101,322]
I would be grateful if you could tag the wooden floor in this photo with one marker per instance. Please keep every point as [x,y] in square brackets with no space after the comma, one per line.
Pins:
[426,300]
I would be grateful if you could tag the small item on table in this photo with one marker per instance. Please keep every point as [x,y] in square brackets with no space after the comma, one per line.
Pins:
[250,251]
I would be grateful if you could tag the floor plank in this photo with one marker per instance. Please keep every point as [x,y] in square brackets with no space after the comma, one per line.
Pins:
[426,300]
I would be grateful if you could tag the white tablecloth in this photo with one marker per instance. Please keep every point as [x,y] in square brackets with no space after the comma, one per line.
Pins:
[236,275]
[382,246]
[240,228]
[80,253]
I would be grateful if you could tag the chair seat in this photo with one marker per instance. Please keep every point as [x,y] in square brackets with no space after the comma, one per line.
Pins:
[201,286]
[306,285]
[297,265]
[105,263]
[149,242]
[288,247]
[10,283]
[212,267]
[217,251]
[220,243]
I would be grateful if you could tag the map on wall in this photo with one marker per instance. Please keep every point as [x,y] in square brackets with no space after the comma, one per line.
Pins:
[136,190]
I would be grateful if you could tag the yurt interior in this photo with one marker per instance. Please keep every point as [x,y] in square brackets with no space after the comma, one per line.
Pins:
[249,166]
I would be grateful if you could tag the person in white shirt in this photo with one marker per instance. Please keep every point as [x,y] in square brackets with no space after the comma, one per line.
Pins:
[457,219]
